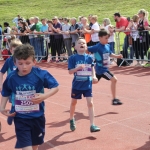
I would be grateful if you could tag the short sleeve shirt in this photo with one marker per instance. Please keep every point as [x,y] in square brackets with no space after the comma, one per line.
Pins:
[101,53]
[23,87]
[80,82]
[94,36]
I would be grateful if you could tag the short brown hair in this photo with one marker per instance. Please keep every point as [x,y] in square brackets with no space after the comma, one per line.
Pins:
[24,51]
[14,43]
[79,38]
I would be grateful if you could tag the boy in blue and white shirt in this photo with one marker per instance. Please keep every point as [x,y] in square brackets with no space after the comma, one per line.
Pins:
[102,53]
[27,84]
[81,65]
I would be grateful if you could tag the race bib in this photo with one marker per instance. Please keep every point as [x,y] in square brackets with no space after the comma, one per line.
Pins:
[23,102]
[87,71]
[106,60]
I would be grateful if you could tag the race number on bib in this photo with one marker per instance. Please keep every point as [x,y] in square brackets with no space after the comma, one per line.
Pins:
[87,71]
[23,103]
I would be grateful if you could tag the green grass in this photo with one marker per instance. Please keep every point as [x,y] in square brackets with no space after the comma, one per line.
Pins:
[69,8]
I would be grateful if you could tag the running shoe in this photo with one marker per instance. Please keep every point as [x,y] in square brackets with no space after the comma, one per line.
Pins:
[72,125]
[116,102]
[94,128]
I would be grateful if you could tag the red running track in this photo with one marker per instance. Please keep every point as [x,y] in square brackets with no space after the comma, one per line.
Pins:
[125,127]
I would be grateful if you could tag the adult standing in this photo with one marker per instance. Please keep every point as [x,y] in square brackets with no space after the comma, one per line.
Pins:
[66,36]
[58,39]
[121,24]
[74,31]
[38,40]
[95,27]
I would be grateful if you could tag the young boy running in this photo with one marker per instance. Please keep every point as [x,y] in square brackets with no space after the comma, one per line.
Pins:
[27,85]
[81,65]
[102,53]
[8,67]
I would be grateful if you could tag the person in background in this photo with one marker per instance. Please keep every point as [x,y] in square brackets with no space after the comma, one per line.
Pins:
[134,39]
[144,35]
[66,36]
[58,39]
[121,24]
[111,39]
[15,20]
[74,31]
[95,27]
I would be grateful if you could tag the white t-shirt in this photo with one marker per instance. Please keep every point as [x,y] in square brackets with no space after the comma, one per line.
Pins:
[111,38]
[94,36]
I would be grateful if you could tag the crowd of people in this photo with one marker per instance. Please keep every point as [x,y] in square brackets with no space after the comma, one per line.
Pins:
[58,35]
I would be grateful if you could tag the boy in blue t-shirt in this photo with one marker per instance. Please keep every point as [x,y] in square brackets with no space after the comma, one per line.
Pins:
[27,84]
[8,67]
[81,65]
[102,53]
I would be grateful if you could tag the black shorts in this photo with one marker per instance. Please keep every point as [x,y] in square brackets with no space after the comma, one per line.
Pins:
[107,75]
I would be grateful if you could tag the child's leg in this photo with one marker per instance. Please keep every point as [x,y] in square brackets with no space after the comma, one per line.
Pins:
[27,148]
[113,86]
[35,147]
[72,108]
[90,109]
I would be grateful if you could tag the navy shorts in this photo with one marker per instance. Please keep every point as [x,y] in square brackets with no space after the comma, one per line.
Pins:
[77,94]
[29,132]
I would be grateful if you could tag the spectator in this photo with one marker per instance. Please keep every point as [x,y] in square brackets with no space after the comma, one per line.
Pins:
[111,39]
[95,27]
[61,21]
[74,31]
[89,19]
[121,24]
[15,20]
[44,29]
[58,39]
[38,40]
[85,25]
[144,35]
[66,36]
[134,33]
[7,37]
[1,43]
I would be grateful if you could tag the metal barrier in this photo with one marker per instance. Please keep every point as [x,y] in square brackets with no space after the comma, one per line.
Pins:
[135,46]
[45,45]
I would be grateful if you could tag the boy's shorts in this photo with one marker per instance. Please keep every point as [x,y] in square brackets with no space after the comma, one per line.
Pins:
[107,75]
[29,132]
[77,94]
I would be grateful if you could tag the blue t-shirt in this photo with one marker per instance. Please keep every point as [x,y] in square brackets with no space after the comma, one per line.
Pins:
[44,28]
[8,66]
[101,53]
[24,87]
[80,82]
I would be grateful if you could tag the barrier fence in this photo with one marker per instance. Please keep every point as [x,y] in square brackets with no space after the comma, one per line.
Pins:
[134,47]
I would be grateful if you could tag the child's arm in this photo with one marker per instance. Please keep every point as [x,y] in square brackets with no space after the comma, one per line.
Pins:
[2,107]
[39,97]
[94,79]
[72,71]
[1,80]
[116,56]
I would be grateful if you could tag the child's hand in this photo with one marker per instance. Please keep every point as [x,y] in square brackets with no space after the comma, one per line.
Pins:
[95,80]
[81,66]
[39,97]
[6,113]
[120,56]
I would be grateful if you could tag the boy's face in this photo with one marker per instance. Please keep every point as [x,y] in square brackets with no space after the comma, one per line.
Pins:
[24,66]
[81,46]
[104,39]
